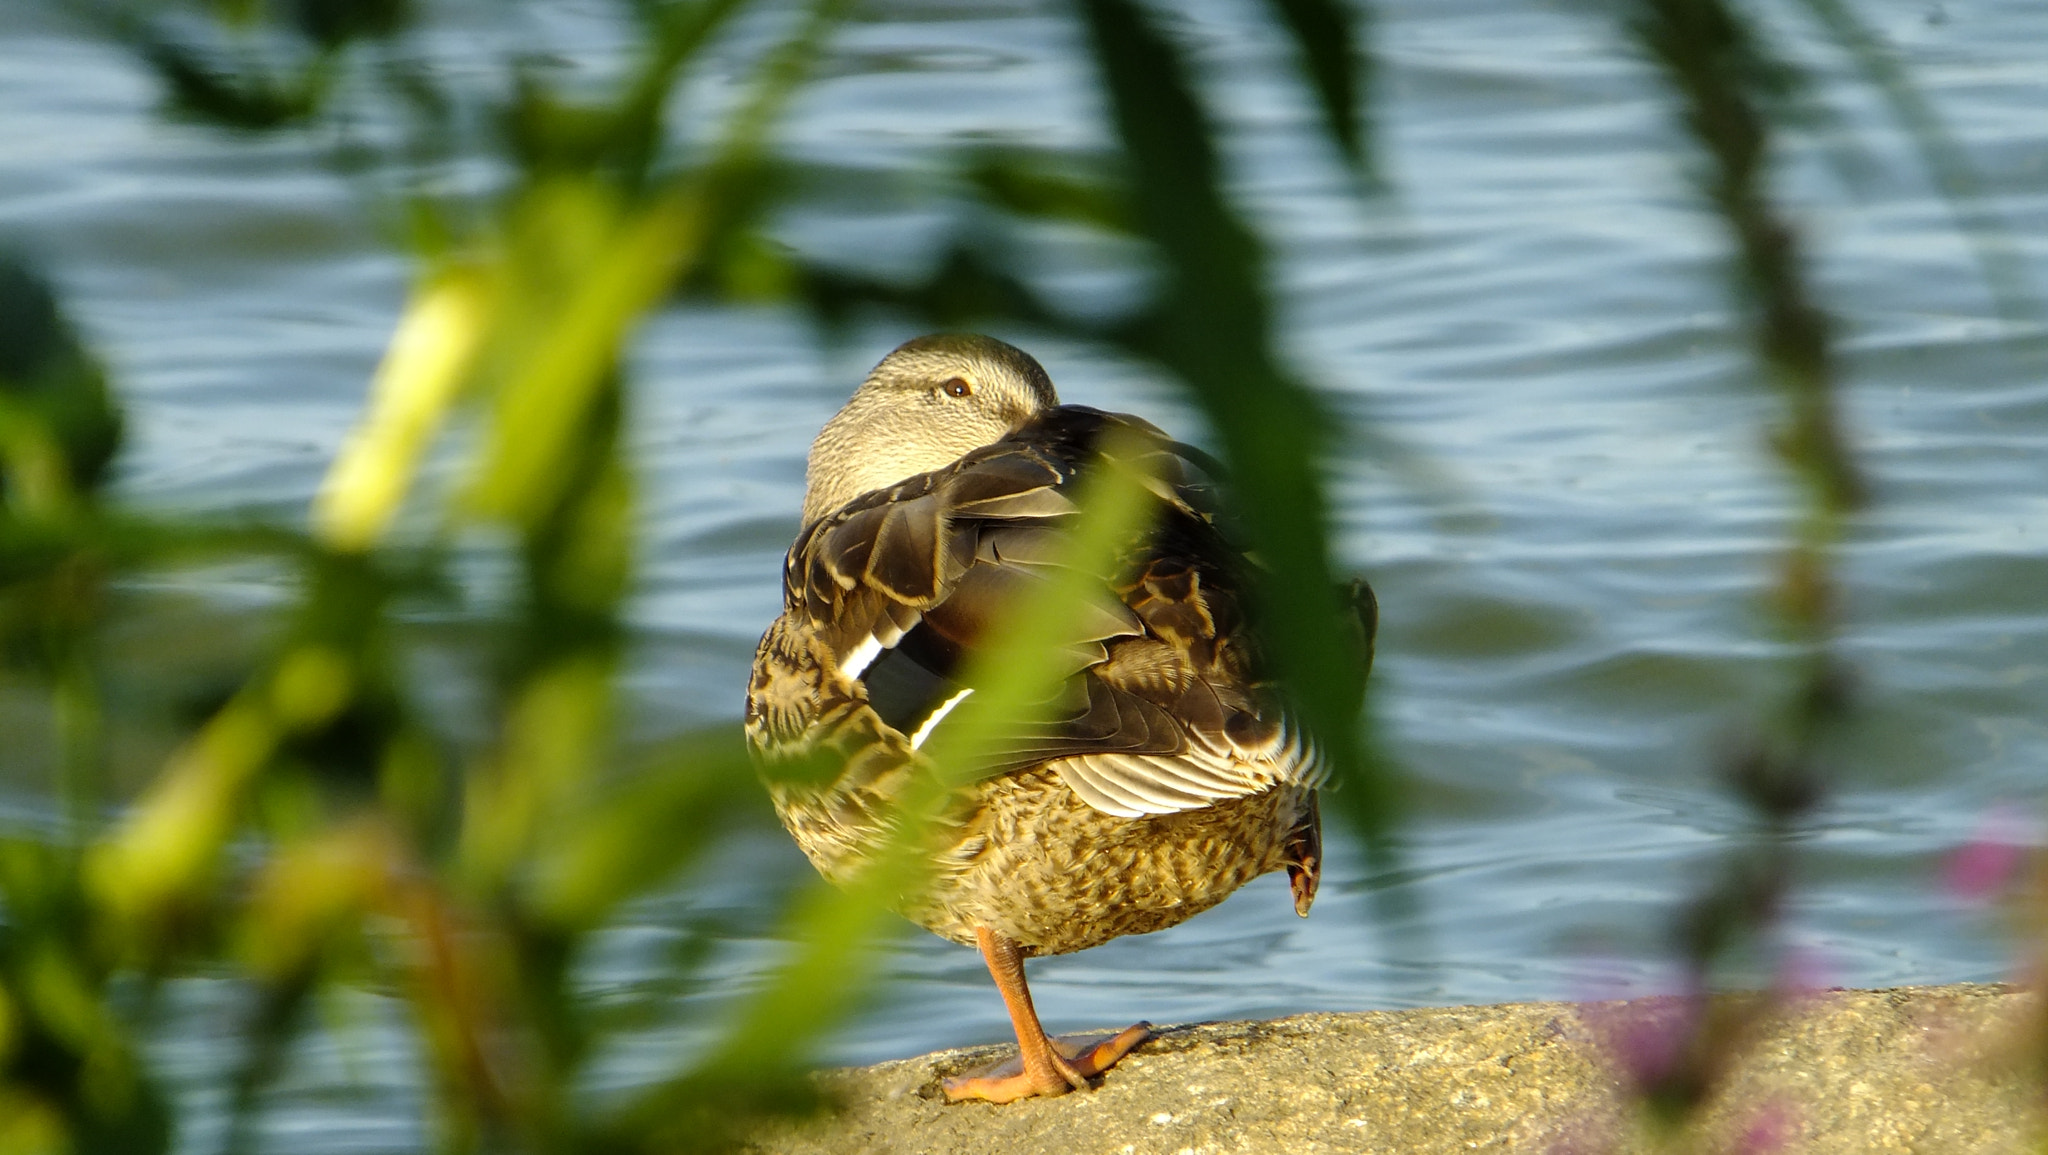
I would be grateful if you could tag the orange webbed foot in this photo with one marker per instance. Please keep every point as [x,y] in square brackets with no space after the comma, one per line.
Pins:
[1076,1059]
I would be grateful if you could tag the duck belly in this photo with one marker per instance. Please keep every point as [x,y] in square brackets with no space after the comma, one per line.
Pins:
[1041,866]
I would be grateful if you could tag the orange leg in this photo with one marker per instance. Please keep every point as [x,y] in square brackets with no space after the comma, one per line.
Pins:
[1044,1066]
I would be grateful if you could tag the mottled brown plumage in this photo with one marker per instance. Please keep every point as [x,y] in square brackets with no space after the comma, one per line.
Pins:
[1166,778]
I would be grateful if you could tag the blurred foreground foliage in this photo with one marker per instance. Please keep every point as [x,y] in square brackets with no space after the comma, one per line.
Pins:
[312,829]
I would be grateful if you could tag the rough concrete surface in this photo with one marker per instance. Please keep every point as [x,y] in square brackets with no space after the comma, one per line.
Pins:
[1927,1069]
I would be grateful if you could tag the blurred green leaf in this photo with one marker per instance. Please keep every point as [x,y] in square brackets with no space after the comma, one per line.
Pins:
[1724,81]
[635,835]
[1047,185]
[333,23]
[253,101]
[679,31]
[1326,33]
[315,803]
[429,361]
[554,736]
[62,1047]
[565,335]
[1212,329]
[52,392]
[966,287]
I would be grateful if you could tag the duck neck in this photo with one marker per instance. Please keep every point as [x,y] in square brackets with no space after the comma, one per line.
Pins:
[868,446]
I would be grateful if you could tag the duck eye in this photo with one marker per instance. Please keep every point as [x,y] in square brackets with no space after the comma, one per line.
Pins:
[957,387]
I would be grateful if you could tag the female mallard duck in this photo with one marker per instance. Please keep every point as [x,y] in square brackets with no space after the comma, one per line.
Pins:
[1173,780]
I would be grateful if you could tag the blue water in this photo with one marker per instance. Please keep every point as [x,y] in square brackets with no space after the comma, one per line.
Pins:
[1554,472]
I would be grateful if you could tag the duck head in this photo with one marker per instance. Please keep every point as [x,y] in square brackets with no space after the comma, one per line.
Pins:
[929,402]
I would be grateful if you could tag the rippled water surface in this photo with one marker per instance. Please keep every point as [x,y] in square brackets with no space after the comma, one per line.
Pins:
[1556,477]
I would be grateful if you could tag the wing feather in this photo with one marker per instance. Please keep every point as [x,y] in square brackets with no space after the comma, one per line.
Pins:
[903,559]
[1168,710]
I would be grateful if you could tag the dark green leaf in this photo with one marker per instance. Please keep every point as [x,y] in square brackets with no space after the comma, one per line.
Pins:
[254,102]
[1043,185]
[47,374]
[965,287]
[333,23]
[1326,34]
[1213,329]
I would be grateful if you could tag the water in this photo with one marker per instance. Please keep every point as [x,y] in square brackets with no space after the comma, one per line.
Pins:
[1571,633]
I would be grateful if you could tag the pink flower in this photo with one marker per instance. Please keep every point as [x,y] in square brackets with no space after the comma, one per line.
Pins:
[1770,1129]
[1803,971]
[1987,864]
[1648,1038]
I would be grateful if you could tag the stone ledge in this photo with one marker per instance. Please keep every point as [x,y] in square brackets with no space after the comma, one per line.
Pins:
[1917,1069]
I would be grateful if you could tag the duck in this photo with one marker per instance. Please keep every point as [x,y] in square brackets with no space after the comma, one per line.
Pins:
[1169,773]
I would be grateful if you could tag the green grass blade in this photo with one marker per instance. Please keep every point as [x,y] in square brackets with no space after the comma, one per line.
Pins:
[1213,329]
[1328,35]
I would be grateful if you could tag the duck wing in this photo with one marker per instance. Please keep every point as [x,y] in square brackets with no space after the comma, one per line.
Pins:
[1164,706]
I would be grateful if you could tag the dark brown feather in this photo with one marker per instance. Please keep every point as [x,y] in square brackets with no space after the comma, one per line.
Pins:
[1165,669]
[1169,776]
